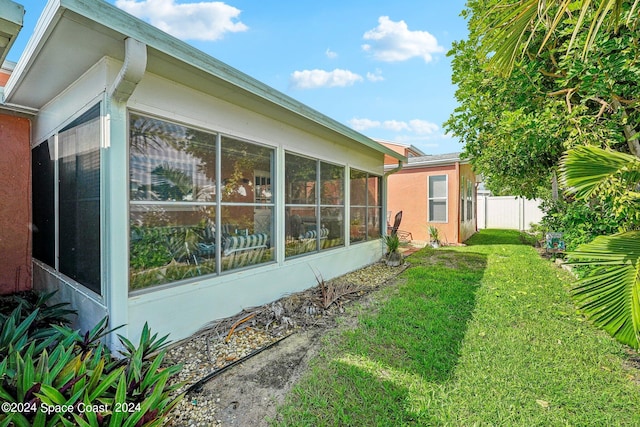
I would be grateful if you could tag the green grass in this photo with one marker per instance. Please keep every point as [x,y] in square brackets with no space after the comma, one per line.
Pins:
[477,335]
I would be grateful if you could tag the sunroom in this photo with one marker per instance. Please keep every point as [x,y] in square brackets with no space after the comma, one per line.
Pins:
[171,189]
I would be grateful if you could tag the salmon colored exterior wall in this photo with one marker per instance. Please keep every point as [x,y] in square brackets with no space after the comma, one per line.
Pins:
[408,192]
[15,204]
[3,78]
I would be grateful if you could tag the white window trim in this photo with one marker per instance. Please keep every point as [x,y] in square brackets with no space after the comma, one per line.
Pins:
[445,198]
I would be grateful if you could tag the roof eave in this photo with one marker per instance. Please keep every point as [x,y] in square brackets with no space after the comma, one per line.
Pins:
[112,18]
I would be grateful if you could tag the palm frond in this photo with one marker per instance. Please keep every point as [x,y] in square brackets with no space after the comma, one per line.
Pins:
[507,24]
[583,169]
[610,294]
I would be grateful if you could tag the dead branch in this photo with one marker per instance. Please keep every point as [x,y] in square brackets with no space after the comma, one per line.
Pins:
[561,91]
[550,74]
[239,322]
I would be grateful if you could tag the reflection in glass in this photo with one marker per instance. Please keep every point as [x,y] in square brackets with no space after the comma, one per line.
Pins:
[304,231]
[365,210]
[170,162]
[300,180]
[246,236]
[332,184]
[301,225]
[169,243]
[332,227]
[246,172]
[174,205]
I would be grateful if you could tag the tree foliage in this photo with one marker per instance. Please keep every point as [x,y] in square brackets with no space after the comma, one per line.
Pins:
[520,111]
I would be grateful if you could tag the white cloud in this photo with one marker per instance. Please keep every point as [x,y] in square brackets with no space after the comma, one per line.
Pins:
[330,54]
[363,124]
[393,41]
[312,79]
[415,126]
[395,125]
[206,20]
[375,77]
[423,127]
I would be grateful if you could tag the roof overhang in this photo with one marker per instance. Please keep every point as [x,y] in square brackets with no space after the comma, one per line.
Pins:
[11,15]
[433,161]
[96,29]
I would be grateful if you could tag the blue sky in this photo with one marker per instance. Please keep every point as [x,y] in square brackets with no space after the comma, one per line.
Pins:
[378,66]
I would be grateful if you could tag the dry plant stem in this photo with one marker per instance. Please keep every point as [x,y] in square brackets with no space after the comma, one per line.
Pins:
[239,322]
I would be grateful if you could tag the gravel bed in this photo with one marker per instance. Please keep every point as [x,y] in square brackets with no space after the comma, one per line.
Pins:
[228,340]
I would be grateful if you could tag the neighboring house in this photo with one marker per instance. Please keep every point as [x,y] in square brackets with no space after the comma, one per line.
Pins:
[170,188]
[437,190]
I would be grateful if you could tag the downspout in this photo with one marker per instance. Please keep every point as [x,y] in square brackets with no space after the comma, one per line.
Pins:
[135,64]
[117,96]
[394,170]
[386,187]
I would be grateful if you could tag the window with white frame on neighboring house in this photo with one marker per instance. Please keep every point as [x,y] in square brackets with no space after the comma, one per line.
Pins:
[437,198]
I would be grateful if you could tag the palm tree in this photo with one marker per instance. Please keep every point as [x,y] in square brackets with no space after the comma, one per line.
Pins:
[610,292]
[509,26]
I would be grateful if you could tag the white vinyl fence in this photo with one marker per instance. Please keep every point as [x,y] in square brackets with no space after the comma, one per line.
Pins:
[508,212]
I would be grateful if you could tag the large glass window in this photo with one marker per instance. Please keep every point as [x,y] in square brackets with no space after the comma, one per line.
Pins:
[184,223]
[78,202]
[43,205]
[247,204]
[437,198]
[314,205]
[365,209]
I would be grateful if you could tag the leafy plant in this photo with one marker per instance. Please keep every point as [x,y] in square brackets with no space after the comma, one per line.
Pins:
[392,241]
[610,292]
[54,365]
[434,234]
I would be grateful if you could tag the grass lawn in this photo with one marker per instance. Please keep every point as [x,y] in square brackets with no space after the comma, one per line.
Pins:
[478,335]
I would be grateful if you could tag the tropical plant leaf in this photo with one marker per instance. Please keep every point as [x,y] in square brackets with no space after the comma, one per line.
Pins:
[508,27]
[585,169]
[610,294]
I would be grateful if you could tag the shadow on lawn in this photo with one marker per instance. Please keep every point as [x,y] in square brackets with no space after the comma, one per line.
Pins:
[404,351]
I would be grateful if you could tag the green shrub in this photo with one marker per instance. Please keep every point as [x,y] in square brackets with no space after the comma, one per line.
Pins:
[579,221]
[52,375]
[393,242]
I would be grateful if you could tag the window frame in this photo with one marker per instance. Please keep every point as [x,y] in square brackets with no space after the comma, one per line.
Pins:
[431,198]
[318,206]
[216,204]
[367,206]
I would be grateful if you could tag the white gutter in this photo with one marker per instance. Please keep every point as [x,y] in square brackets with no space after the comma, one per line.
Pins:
[135,64]
[394,170]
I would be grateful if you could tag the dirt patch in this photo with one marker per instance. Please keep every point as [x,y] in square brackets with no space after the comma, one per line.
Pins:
[248,393]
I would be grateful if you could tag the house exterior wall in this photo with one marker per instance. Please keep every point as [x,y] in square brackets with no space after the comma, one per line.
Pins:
[408,192]
[15,205]
[3,78]
[181,309]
